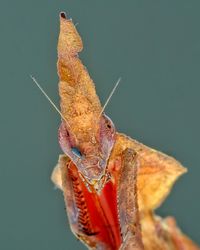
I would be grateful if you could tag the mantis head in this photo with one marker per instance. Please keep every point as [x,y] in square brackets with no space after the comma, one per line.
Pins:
[91,154]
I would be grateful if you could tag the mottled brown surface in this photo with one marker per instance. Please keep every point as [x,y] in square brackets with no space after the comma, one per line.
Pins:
[128,203]
[157,172]
[79,103]
[157,233]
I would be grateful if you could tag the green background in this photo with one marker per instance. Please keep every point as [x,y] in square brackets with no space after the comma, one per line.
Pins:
[153,45]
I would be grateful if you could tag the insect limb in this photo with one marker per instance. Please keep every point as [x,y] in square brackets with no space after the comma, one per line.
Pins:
[74,200]
[109,97]
[127,202]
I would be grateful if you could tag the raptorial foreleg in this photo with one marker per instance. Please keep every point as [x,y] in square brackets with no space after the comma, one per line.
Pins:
[127,202]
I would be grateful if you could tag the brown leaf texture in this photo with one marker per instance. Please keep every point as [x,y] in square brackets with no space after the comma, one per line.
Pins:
[156,172]
[79,103]
[163,234]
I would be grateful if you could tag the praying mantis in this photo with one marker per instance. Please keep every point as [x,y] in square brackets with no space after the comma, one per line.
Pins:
[111,183]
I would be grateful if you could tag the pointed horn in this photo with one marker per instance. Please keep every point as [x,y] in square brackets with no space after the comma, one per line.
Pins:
[76,88]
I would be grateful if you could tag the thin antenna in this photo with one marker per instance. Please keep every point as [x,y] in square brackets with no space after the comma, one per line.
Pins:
[48,98]
[111,94]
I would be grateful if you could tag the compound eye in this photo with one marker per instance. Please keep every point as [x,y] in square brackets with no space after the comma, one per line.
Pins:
[109,125]
[64,131]
[67,133]
[107,128]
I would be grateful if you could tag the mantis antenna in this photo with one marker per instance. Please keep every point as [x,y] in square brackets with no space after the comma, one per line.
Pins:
[109,97]
[49,99]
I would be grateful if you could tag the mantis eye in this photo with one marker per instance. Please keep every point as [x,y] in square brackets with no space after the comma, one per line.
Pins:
[107,134]
[107,126]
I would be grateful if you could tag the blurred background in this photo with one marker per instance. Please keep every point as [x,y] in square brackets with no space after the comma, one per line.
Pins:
[153,45]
